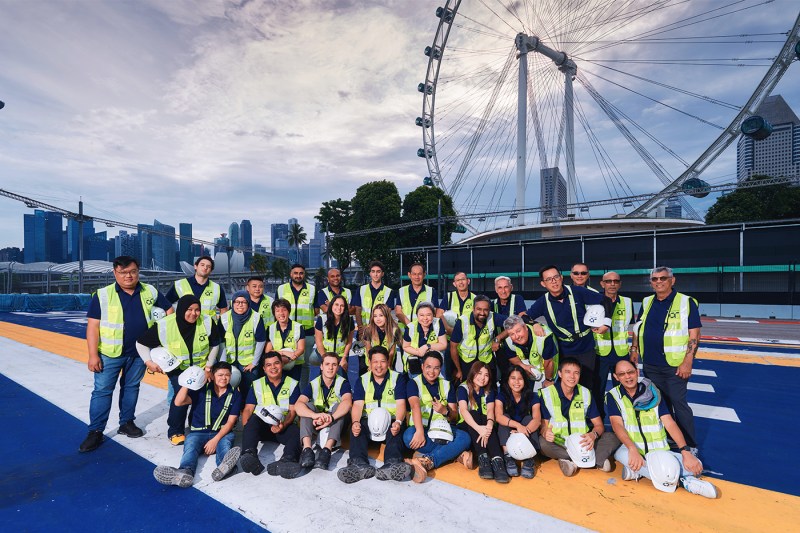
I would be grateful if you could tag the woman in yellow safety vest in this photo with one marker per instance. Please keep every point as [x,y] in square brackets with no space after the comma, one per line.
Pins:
[382,330]
[333,332]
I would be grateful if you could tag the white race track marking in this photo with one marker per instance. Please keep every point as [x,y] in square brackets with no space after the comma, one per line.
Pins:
[725,414]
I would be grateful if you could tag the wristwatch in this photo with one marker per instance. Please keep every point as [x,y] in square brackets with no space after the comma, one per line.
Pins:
[686,448]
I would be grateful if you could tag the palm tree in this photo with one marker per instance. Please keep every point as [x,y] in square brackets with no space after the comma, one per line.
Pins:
[297,237]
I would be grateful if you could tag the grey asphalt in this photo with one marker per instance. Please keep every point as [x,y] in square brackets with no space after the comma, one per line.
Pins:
[765,329]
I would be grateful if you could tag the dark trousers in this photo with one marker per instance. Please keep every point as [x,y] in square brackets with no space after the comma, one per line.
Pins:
[673,390]
[492,448]
[605,366]
[256,430]
[176,419]
[393,453]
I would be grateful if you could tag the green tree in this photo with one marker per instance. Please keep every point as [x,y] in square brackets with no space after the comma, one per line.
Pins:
[423,203]
[280,268]
[773,202]
[376,204]
[333,216]
[258,263]
[319,278]
[297,237]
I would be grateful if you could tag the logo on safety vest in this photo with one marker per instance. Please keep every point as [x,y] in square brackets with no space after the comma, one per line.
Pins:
[284,392]
[248,334]
[673,314]
[149,301]
[304,292]
[202,337]
[390,391]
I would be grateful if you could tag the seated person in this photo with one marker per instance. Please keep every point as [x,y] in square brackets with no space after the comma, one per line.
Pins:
[518,410]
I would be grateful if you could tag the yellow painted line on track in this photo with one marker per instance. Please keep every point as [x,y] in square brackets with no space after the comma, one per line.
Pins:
[775,360]
[588,499]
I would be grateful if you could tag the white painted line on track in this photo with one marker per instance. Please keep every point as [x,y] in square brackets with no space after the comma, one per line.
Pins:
[725,414]
[701,372]
[736,321]
[700,387]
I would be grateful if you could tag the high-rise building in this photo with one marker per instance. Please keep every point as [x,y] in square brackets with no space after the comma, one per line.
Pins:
[73,238]
[673,209]
[246,240]
[145,245]
[97,247]
[233,234]
[163,246]
[127,244]
[221,244]
[279,232]
[778,155]
[43,237]
[552,194]
[186,247]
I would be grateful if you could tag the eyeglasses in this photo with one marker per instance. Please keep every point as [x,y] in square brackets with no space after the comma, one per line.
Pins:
[576,273]
[628,373]
[660,278]
[459,279]
[551,279]
[125,273]
[615,281]
[239,302]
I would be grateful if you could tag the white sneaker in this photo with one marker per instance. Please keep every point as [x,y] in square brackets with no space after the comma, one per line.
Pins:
[700,487]
[568,468]
[607,466]
[629,475]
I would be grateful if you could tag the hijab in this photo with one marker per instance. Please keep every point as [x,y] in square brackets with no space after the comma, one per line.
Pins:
[239,320]
[186,329]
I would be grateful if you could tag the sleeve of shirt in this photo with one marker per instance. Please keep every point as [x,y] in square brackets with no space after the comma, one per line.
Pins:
[261,332]
[401,388]
[490,398]
[213,339]
[194,395]
[462,394]
[457,336]
[588,297]
[500,396]
[94,308]
[359,393]
[444,304]
[307,392]
[407,335]
[441,329]
[519,304]
[411,389]
[537,307]
[662,408]
[172,295]
[318,323]
[612,409]
[592,412]
[295,395]
[236,403]
[545,413]
[434,299]
[549,351]
[251,397]
[320,299]
[451,395]
[223,301]
[694,315]
[346,388]
[150,337]
[499,318]
[356,300]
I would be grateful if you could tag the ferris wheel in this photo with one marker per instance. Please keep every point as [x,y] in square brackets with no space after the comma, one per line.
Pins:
[551,103]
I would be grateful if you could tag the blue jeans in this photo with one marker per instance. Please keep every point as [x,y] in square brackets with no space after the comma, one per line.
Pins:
[193,447]
[129,371]
[439,453]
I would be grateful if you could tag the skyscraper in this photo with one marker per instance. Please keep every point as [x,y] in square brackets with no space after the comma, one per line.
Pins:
[42,237]
[233,234]
[73,238]
[145,245]
[127,244]
[246,240]
[553,194]
[163,246]
[280,232]
[186,248]
[779,154]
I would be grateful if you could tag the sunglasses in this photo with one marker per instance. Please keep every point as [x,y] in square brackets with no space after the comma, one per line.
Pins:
[576,273]
[614,281]
[660,278]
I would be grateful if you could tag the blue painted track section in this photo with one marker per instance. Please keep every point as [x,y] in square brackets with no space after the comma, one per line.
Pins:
[55,322]
[46,485]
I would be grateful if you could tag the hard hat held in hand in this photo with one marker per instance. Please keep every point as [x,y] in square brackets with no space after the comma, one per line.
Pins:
[323,435]
[440,429]
[236,377]
[580,456]
[156,313]
[520,447]
[165,360]
[193,378]
[665,470]
[271,414]
[450,317]
[379,421]
[357,349]
[596,317]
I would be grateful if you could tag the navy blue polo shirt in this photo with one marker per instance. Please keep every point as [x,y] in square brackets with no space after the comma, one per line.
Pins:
[322,297]
[519,305]
[439,331]
[413,391]
[132,315]
[591,411]
[308,393]
[320,321]
[251,395]
[463,395]
[612,409]
[548,350]
[518,411]
[283,332]
[457,336]
[359,394]
[197,290]
[445,303]
[652,351]
[391,301]
[414,296]
[563,315]
[198,416]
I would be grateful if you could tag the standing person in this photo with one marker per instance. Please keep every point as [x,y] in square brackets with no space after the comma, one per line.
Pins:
[424,334]
[334,288]
[117,315]
[458,301]
[564,308]
[567,408]
[507,302]
[211,295]
[333,332]
[216,409]
[642,427]
[323,403]
[286,336]
[274,389]
[477,417]
[433,405]
[410,296]
[380,388]
[612,345]
[373,293]
[518,410]
[259,302]
[190,338]
[667,339]
[474,338]
[243,340]
[579,274]
[535,355]
[301,296]
[382,330]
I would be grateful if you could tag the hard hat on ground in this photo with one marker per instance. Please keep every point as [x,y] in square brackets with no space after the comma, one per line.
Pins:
[665,470]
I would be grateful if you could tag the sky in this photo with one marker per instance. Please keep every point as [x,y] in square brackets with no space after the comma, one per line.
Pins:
[210,112]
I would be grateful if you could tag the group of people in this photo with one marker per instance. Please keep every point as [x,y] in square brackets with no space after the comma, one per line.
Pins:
[462,377]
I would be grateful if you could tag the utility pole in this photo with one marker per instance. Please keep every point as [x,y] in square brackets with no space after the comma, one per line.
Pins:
[439,247]
[80,246]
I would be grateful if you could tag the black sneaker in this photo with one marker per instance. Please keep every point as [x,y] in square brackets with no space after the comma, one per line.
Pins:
[355,472]
[323,459]
[511,466]
[307,458]
[499,468]
[251,464]
[394,471]
[485,467]
[289,469]
[129,429]
[528,468]
[92,441]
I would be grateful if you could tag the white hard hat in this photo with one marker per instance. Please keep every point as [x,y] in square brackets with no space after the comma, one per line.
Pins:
[536,374]
[236,376]
[164,359]
[192,378]
[520,447]
[357,349]
[596,316]
[323,435]
[580,456]
[450,317]
[440,429]
[156,313]
[314,357]
[379,421]
[665,470]
[291,363]
[271,414]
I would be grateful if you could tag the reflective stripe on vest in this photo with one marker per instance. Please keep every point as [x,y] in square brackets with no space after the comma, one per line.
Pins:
[242,349]
[405,300]
[264,396]
[335,345]
[329,295]
[621,317]
[455,304]
[170,338]
[386,400]
[482,406]
[469,348]
[568,336]
[563,427]
[278,342]
[534,355]
[676,328]
[265,311]
[511,304]
[222,413]
[416,342]
[644,427]
[209,298]
[303,309]
[324,403]
[426,400]
[366,300]
[112,324]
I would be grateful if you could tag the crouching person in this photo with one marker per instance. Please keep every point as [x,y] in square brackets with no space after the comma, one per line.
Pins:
[379,409]
[217,407]
[272,400]
[323,405]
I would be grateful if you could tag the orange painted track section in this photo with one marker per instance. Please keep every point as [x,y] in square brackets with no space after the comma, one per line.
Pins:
[592,499]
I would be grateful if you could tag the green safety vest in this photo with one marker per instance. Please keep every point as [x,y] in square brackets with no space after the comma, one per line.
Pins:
[366,300]
[512,300]
[534,356]
[568,335]
[170,338]
[208,299]
[470,348]
[303,307]
[264,396]
[676,328]
[576,423]
[482,406]
[335,345]
[455,303]
[405,300]
[330,295]
[244,348]
[265,310]
[278,343]
[416,342]
[324,403]
[644,427]
[387,400]
[221,418]
[112,324]
[621,317]
[426,400]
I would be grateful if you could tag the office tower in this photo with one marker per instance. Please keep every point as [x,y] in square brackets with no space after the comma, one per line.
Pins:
[43,232]
[246,240]
[553,194]
[163,246]
[186,247]
[779,154]
[73,238]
